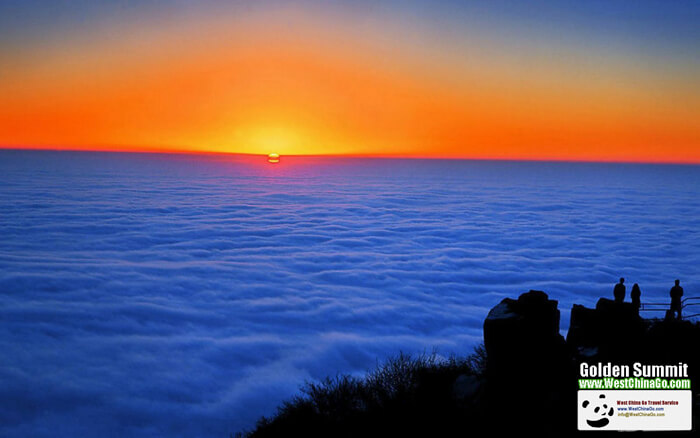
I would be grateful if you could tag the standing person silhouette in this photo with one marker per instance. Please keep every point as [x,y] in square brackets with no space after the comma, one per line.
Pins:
[619,291]
[636,296]
[676,294]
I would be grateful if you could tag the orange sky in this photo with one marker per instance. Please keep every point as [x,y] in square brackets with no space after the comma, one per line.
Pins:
[305,84]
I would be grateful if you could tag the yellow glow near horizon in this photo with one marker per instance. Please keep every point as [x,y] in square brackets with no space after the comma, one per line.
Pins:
[261,139]
[314,84]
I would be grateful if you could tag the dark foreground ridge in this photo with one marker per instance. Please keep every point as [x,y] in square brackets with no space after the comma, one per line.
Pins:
[523,379]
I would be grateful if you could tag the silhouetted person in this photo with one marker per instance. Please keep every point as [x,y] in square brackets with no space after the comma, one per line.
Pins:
[619,291]
[636,296]
[676,294]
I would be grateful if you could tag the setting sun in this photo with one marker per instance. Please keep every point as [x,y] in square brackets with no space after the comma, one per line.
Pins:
[273,158]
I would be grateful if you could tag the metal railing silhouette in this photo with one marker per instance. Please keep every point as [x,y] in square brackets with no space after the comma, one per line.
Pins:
[690,302]
[695,301]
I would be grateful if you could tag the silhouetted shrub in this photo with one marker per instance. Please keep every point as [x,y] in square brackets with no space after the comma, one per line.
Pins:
[405,396]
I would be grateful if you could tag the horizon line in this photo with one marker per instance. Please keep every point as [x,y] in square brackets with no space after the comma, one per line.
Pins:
[179,151]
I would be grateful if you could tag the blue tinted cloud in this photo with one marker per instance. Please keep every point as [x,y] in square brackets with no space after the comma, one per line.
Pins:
[146,295]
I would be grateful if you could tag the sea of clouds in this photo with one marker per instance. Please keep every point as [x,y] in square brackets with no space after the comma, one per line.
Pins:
[185,296]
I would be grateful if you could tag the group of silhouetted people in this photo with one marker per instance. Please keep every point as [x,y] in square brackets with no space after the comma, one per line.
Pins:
[636,294]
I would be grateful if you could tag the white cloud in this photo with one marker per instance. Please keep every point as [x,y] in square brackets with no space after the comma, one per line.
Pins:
[178,296]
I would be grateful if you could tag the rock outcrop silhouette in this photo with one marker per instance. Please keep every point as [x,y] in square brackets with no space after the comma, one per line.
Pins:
[529,366]
[611,331]
[526,327]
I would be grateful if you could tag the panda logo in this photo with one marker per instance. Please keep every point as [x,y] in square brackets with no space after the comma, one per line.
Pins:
[598,412]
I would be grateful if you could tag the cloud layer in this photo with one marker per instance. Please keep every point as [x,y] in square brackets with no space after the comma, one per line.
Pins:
[151,295]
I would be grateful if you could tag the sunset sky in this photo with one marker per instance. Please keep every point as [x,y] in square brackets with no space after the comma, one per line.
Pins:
[565,80]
